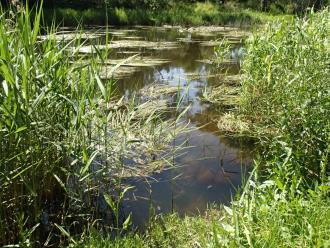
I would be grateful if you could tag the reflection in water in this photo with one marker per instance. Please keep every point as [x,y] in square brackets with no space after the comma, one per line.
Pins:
[211,168]
[207,173]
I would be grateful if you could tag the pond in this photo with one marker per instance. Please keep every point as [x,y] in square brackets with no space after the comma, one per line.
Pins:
[211,167]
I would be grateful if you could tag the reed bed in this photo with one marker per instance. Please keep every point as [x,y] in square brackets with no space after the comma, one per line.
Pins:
[66,138]
[286,89]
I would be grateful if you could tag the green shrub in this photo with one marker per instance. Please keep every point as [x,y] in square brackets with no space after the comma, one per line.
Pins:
[72,16]
[93,17]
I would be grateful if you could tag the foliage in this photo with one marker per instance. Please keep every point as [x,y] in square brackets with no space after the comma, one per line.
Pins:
[222,51]
[61,127]
[272,6]
[286,88]
[206,10]
[46,110]
[176,14]
[63,131]
[121,15]
[263,217]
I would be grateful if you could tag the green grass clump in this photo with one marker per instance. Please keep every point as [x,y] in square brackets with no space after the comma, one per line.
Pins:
[286,88]
[121,15]
[206,10]
[269,217]
[98,241]
[264,217]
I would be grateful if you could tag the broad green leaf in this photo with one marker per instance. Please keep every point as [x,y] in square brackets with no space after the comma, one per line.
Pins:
[59,181]
[228,228]
[125,191]
[228,210]
[101,86]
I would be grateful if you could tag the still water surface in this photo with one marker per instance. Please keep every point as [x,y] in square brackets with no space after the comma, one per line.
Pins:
[212,166]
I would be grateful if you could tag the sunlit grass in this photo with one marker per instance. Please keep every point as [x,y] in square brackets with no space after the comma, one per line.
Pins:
[261,219]
[286,88]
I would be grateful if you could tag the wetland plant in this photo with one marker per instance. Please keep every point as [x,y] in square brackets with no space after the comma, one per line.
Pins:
[64,134]
[286,89]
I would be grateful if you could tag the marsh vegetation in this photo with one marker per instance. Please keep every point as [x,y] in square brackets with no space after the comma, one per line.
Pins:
[164,136]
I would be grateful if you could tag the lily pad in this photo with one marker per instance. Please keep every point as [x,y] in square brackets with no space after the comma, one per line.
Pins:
[224,62]
[210,29]
[187,40]
[206,34]
[117,33]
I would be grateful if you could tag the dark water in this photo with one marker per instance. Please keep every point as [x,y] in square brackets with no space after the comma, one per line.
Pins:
[212,166]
